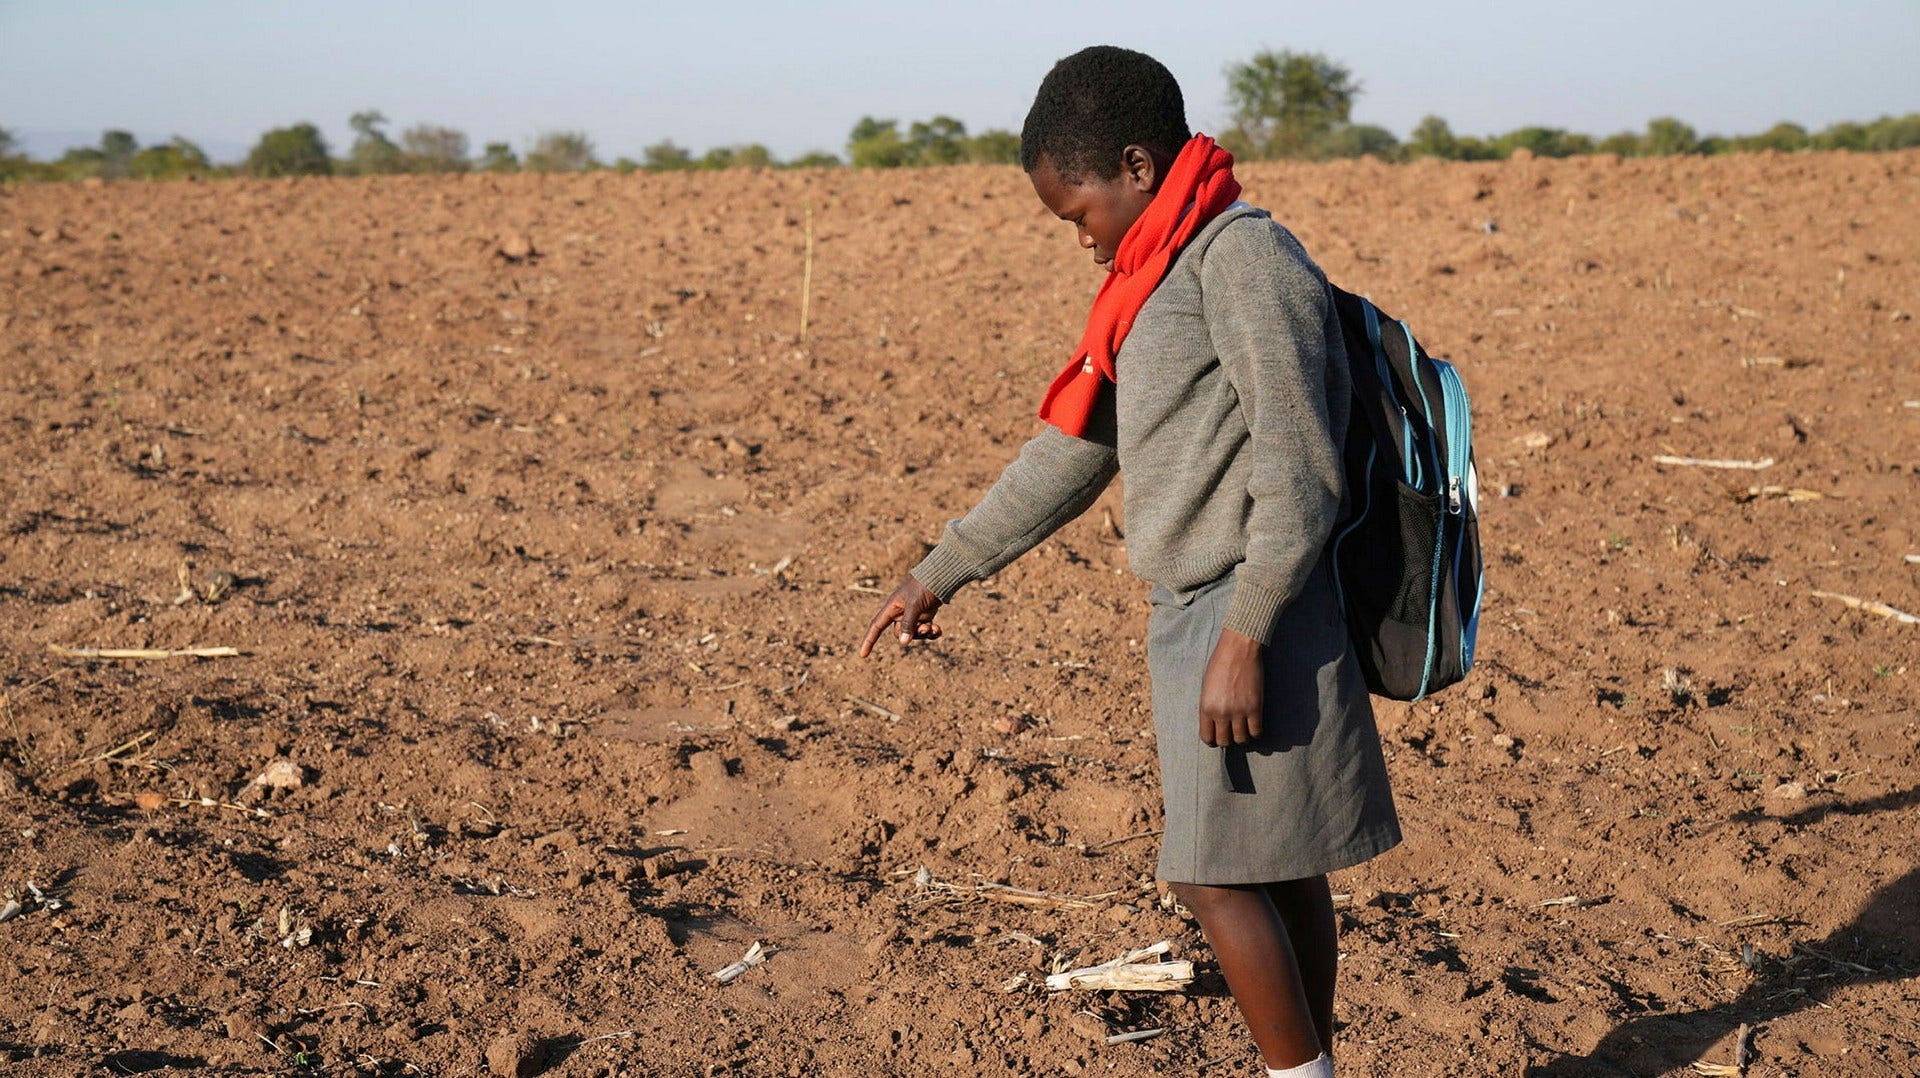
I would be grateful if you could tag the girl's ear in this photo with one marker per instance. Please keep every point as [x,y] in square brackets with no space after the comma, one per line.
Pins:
[1140,170]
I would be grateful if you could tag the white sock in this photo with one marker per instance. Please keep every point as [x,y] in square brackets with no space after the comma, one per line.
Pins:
[1319,1068]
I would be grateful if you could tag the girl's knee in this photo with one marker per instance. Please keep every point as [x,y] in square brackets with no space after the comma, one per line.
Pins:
[1204,899]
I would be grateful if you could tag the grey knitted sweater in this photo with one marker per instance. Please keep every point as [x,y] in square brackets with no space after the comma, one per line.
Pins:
[1227,418]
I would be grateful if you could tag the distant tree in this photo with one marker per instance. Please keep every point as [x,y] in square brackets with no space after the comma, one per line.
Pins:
[1542,142]
[1433,137]
[1625,144]
[1358,140]
[877,144]
[7,142]
[561,151]
[666,156]
[116,150]
[1894,132]
[939,141]
[427,148]
[1842,136]
[717,158]
[1667,136]
[79,163]
[994,146]
[1284,103]
[752,155]
[1781,137]
[815,159]
[290,151]
[499,157]
[175,159]
[372,152]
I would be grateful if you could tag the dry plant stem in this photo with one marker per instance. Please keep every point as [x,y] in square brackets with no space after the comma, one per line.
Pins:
[1000,892]
[868,705]
[1128,973]
[806,280]
[142,653]
[1706,462]
[1112,842]
[730,973]
[1870,606]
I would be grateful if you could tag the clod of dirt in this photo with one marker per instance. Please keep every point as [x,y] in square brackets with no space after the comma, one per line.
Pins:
[1009,724]
[660,866]
[281,774]
[246,1027]
[708,766]
[1089,1026]
[1791,791]
[516,1055]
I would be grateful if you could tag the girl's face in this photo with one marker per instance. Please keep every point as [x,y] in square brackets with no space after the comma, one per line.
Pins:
[1101,210]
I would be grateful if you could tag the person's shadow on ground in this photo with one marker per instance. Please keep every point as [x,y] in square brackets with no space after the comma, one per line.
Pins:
[1881,944]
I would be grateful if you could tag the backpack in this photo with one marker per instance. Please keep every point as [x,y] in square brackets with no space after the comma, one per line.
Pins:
[1406,550]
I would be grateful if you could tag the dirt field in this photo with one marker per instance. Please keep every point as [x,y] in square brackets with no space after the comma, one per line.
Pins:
[546,572]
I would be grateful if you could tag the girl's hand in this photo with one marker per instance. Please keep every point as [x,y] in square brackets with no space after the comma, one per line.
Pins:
[910,610]
[1233,691]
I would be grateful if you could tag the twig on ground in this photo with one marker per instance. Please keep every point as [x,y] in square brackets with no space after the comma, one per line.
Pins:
[1841,962]
[208,802]
[940,891]
[1112,842]
[1742,1055]
[142,653]
[1136,1035]
[1792,494]
[1870,606]
[1705,462]
[868,705]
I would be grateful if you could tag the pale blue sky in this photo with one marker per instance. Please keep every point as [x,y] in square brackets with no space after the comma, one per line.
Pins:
[796,76]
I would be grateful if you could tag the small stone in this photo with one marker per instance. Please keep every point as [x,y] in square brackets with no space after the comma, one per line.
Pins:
[1502,741]
[1790,791]
[1539,439]
[1010,724]
[516,1055]
[516,247]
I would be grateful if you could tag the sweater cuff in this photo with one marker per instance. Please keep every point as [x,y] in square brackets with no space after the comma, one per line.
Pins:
[943,572]
[1254,610]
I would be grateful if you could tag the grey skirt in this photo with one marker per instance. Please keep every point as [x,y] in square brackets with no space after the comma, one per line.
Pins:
[1310,795]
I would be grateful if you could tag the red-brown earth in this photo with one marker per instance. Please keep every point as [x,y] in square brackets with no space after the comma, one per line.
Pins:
[546,543]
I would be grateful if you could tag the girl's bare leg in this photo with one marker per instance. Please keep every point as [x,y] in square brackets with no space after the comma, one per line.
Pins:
[1306,908]
[1256,954]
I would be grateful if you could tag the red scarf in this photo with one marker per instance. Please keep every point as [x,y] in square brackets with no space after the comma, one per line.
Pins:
[1196,189]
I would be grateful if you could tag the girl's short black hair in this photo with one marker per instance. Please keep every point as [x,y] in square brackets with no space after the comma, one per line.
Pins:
[1096,103]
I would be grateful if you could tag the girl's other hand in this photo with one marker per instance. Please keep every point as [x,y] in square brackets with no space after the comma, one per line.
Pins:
[1233,691]
[910,610]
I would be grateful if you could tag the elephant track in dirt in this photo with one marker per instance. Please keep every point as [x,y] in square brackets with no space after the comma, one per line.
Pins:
[545,543]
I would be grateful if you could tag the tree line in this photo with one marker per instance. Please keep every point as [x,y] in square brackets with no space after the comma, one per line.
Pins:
[1299,106]
[1284,106]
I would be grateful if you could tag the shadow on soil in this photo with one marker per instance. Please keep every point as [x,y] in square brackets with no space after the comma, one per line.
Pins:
[1878,945]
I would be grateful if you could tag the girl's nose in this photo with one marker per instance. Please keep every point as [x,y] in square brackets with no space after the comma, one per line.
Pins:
[1086,239]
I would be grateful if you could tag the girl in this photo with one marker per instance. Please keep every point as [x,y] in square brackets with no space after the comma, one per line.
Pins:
[1212,373]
